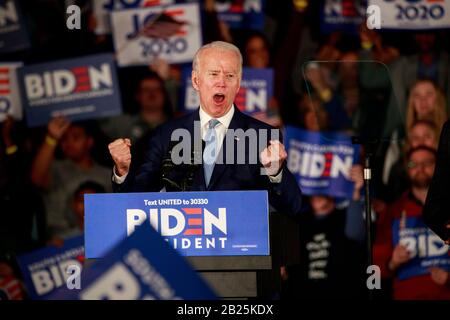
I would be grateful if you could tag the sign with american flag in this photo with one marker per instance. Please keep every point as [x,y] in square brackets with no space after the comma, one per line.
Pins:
[172,33]
[102,10]
[10,103]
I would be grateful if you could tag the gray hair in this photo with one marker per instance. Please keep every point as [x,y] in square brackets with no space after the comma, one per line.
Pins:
[221,45]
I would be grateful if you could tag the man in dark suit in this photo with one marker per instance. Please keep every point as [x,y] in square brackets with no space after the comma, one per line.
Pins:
[436,212]
[228,162]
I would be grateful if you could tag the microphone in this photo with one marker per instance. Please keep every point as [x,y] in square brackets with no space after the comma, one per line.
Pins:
[180,177]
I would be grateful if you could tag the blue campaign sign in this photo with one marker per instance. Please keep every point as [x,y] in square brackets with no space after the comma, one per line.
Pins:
[425,247]
[13,35]
[238,14]
[45,270]
[343,15]
[221,223]
[253,96]
[79,89]
[321,162]
[141,267]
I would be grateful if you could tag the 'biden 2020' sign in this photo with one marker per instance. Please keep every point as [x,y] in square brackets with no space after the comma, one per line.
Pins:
[193,223]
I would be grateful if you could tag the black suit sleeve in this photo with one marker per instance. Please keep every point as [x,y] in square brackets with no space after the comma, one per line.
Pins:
[147,178]
[436,212]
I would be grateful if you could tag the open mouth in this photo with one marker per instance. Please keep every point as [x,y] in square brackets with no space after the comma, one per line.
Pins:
[219,98]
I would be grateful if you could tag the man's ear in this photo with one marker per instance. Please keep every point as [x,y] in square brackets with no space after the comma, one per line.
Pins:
[194,78]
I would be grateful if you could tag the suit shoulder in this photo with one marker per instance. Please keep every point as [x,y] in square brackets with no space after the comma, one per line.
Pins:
[175,123]
[255,123]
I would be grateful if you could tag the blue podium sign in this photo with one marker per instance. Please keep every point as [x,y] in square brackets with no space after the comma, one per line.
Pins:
[222,223]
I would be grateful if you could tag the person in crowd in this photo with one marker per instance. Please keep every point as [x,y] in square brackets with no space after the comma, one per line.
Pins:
[58,178]
[257,56]
[426,102]
[417,271]
[428,62]
[22,213]
[437,212]
[77,206]
[154,108]
[421,133]
[332,256]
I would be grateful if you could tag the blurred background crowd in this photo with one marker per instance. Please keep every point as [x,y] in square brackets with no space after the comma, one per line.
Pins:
[394,85]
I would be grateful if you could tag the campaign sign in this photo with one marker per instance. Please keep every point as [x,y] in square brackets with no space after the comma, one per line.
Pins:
[79,89]
[221,223]
[321,163]
[344,15]
[102,10]
[253,96]
[424,246]
[413,14]
[141,267]
[238,14]
[13,36]
[45,270]
[10,103]
[172,33]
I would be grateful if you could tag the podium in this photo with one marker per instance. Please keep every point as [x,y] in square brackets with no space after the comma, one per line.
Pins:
[252,277]
[229,239]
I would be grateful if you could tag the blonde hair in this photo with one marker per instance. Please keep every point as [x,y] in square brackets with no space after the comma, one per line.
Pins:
[220,45]
[439,114]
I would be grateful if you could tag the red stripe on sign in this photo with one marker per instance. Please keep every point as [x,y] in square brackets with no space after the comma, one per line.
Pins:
[80,70]
[4,70]
[5,91]
[83,79]
[192,232]
[195,222]
[174,12]
[192,210]
[83,88]
[181,33]
[150,3]
[4,81]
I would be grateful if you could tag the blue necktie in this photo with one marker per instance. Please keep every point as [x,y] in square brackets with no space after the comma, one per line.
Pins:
[209,154]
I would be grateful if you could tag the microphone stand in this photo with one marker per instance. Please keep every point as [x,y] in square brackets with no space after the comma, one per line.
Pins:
[369,145]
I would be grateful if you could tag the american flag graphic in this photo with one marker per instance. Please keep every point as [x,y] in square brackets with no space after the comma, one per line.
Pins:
[10,289]
[4,81]
[163,25]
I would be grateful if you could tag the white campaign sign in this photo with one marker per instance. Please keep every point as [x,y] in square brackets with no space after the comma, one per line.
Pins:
[141,50]
[416,15]
[103,8]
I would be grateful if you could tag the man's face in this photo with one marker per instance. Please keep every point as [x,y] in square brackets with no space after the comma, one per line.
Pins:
[257,53]
[424,99]
[150,95]
[75,143]
[422,135]
[217,80]
[421,168]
